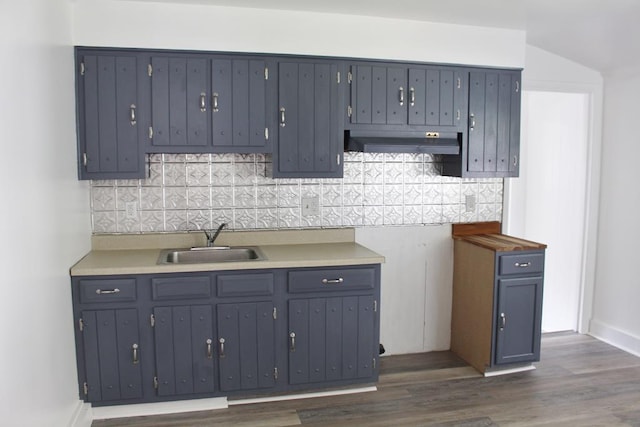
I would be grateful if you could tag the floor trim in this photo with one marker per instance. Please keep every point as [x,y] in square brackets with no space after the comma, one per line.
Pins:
[615,337]
[159,408]
[302,396]
[509,371]
[82,416]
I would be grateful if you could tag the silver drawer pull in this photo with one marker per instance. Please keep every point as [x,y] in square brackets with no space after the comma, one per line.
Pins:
[503,321]
[107,291]
[332,281]
[523,264]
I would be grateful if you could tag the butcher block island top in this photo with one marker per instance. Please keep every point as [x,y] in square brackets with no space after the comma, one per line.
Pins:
[138,254]
[487,235]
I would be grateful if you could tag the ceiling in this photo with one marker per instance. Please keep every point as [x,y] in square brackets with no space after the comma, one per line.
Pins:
[600,34]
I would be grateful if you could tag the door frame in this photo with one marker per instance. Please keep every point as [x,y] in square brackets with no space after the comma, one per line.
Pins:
[592,197]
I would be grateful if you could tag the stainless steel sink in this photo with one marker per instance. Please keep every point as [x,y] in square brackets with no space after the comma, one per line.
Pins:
[210,255]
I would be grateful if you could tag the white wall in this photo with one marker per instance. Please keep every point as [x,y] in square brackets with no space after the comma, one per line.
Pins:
[164,25]
[44,220]
[616,317]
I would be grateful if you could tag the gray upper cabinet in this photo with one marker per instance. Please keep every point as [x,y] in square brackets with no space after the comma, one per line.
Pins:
[109,127]
[179,103]
[208,103]
[407,98]
[309,138]
[239,92]
[492,145]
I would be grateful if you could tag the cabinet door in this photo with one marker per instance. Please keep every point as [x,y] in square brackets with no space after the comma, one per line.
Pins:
[238,105]
[246,349]
[179,102]
[518,320]
[494,123]
[184,349]
[308,141]
[108,123]
[331,339]
[112,354]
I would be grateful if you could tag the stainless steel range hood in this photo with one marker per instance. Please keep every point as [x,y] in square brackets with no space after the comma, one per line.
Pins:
[403,142]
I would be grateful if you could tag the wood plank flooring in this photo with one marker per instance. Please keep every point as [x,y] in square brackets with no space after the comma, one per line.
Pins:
[579,382]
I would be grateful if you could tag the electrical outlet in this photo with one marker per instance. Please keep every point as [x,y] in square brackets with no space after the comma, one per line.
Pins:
[311,206]
[131,210]
[470,203]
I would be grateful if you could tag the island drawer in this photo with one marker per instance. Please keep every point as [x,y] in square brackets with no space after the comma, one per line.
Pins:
[521,263]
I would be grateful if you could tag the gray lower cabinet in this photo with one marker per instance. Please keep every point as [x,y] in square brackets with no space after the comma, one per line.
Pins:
[333,324]
[159,337]
[497,306]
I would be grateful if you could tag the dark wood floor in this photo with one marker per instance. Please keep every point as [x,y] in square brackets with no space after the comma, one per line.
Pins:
[579,382]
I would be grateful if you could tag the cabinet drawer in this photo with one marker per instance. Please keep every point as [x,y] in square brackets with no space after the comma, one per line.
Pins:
[181,287]
[232,285]
[521,263]
[107,290]
[331,280]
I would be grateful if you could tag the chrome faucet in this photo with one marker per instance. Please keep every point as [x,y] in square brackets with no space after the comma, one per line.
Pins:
[211,237]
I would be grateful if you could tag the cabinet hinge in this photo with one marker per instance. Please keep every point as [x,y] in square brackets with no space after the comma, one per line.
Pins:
[155,382]
[374,363]
[152,320]
[338,77]
[349,111]
[275,313]
[375,306]
[85,388]
[338,159]
[266,134]
[517,86]
[149,70]
[275,373]
[84,159]
[459,82]
[458,114]
[81,325]
[82,69]
[150,132]
[349,77]
[266,73]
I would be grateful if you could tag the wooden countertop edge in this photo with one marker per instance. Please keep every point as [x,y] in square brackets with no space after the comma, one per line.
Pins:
[500,242]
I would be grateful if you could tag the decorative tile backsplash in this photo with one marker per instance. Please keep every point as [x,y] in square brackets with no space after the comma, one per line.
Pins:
[200,191]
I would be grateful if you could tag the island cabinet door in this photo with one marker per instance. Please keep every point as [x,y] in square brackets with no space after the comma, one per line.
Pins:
[518,320]
[246,348]
[331,339]
[184,349]
[112,355]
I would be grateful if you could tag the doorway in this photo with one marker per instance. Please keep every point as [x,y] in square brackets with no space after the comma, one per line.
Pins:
[547,203]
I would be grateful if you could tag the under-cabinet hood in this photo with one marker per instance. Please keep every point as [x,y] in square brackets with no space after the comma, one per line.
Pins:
[403,142]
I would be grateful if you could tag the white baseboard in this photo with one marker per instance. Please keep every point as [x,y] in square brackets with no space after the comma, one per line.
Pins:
[509,371]
[614,336]
[82,416]
[160,408]
[302,396]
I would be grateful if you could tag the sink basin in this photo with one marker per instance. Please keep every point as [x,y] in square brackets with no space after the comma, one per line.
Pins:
[208,255]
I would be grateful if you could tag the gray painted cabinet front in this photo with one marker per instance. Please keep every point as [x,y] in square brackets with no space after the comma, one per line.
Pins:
[309,137]
[108,108]
[160,337]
